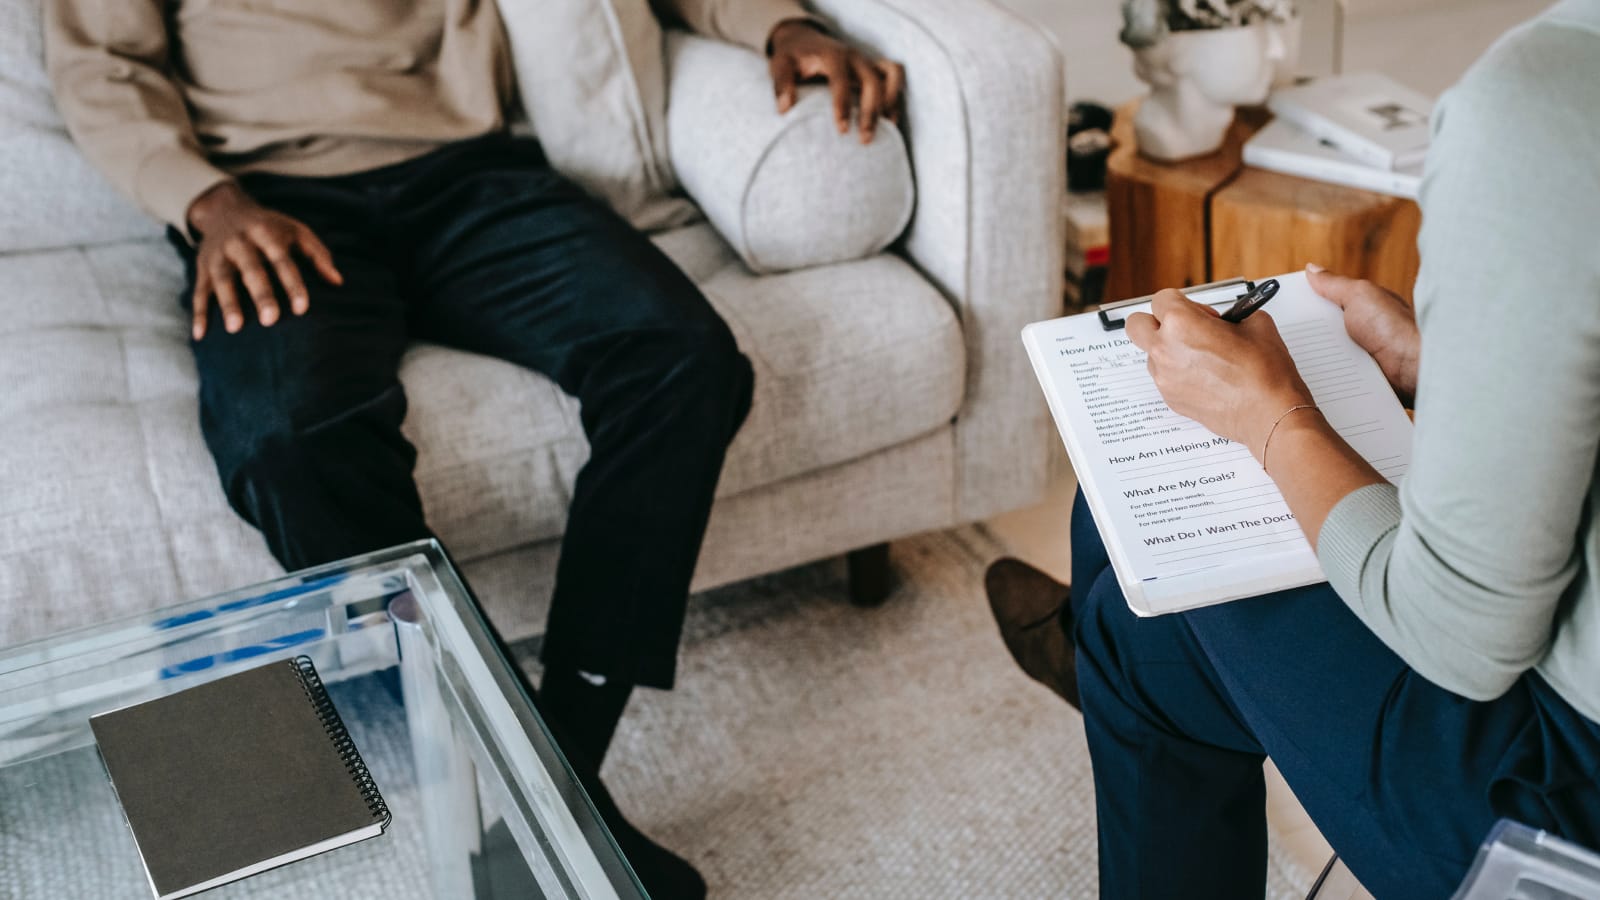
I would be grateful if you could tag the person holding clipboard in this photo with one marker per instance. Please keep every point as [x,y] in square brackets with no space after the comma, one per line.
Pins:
[1448,673]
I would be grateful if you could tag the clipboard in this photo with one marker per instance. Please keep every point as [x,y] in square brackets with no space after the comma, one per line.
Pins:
[1189,518]
[1109,324]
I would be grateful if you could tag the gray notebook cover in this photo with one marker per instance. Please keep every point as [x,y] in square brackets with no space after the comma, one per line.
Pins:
[236,776]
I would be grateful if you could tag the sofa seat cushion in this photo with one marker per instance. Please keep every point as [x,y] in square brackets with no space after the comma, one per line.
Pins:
[848,359]
[105,477]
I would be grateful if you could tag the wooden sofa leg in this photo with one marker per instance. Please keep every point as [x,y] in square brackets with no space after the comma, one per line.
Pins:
[871,578]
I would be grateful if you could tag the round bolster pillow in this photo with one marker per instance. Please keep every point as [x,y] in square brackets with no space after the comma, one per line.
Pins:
[785,191]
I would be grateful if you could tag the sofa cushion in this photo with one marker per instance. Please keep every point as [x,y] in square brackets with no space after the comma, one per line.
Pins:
[593,83]
[49,194]
[848,359]
[786,191]
[105,475]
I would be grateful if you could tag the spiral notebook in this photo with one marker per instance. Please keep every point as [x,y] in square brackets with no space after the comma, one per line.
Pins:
[237,776]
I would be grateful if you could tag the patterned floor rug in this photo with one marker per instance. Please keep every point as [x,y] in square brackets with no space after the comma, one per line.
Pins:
[813,749]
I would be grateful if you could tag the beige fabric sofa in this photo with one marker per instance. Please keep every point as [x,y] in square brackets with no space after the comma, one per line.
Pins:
[892,396]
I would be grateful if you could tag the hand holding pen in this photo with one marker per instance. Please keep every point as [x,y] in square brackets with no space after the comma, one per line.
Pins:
[1229,371]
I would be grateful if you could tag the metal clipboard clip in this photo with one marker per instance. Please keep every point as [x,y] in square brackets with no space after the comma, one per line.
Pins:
[1110,324]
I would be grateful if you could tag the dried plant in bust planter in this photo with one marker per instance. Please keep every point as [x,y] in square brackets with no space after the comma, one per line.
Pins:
[1147,21]
[1202,58]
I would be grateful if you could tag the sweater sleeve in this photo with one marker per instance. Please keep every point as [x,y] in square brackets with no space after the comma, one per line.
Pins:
[1462,571]
[746,22]
[109,64]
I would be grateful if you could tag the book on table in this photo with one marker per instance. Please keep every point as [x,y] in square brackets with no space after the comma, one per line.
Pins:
[237,776]
[1282,146]
[1189,518]
[1366,115]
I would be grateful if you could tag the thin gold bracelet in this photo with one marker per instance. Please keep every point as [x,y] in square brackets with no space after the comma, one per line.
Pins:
[1274,430]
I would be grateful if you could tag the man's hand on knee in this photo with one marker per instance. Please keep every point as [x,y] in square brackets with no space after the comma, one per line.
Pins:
[799,51]
[239,241]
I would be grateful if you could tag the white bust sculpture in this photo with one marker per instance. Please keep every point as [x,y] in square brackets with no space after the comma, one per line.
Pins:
[1197,77]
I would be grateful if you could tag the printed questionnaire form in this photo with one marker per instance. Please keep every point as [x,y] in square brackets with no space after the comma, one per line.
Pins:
[1190,518]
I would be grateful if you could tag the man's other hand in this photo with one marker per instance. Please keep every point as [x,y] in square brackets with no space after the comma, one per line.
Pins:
[240,240]
[802,52]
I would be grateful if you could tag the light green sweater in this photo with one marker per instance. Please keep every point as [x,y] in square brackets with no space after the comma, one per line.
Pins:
[1486,562]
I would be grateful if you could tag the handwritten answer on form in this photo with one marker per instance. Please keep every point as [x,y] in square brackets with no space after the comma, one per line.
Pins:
[1190,518]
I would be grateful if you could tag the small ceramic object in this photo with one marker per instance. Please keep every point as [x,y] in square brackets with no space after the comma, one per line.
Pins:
[1198,76]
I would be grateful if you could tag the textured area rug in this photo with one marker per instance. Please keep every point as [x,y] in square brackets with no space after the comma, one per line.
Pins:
[813,749]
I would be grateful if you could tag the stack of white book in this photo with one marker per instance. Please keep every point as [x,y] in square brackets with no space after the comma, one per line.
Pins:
[1361,130]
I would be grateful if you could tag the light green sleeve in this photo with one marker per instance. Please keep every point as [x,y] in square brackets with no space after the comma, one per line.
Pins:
[1461,571]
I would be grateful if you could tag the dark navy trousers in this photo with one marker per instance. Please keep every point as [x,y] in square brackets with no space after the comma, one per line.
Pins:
[483,247]
[1403,777]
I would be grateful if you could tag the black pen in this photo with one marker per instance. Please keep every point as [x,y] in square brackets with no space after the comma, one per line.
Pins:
[1251,301]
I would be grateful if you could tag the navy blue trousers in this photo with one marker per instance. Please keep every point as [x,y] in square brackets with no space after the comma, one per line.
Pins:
[1403,777]
[483,247]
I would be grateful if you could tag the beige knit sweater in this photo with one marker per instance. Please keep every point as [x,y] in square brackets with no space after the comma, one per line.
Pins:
[169,98]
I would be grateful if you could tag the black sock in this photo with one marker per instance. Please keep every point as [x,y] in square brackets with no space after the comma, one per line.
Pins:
[583,716]
[664,874]
[588,713]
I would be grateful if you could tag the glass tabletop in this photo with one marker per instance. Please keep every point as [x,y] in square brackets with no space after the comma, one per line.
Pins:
[484,804]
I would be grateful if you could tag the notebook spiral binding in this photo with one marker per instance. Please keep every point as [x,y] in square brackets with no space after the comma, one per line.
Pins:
[311,683]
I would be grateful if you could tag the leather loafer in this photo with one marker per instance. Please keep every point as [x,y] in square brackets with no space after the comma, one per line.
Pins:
[1032,611]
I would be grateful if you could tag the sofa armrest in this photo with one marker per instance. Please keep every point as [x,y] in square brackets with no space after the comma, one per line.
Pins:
[985,122]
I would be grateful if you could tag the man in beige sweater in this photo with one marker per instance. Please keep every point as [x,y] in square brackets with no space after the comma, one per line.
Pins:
[338,180]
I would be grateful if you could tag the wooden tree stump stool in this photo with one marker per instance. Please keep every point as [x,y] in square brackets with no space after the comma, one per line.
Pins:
[1205,219]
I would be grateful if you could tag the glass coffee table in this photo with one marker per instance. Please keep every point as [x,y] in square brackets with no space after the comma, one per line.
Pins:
[484,804]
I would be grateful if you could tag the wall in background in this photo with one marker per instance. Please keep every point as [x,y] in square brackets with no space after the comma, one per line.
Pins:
[1449,34]
[1368,7]
[1379,34]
